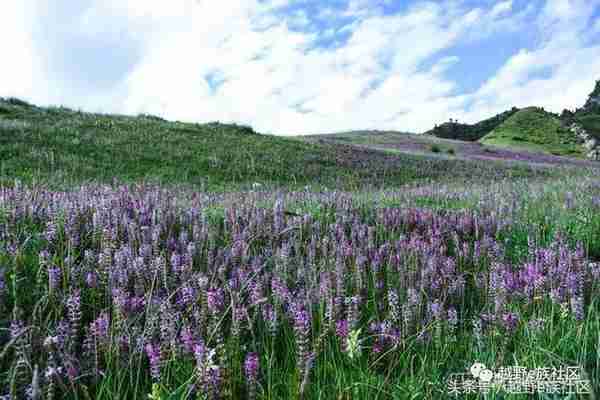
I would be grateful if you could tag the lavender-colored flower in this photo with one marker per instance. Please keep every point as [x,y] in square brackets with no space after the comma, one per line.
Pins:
[280,290]
[54,275]
[215,299]
[342,329]
[452,317]
[394,305]
[302,332]
[99,328]
[435,309]
[51,231]
[510,321]
[251,367]
[270,316]
[74,310]
[577,308]
[91,279]
[2,283]
[154,355]
[187,339]
[187,296]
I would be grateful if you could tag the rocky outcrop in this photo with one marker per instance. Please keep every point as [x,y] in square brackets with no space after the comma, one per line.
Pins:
[590,143]
[593,101]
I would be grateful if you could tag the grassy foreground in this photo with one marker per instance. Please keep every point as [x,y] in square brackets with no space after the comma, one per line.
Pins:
[121,292]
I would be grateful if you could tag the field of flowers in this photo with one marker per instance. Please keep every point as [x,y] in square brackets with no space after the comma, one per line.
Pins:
[137,292]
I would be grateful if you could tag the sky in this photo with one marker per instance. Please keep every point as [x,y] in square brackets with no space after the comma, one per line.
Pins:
[290,67]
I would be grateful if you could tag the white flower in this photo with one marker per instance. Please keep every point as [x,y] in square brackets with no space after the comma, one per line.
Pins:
[50,340]
[353,344]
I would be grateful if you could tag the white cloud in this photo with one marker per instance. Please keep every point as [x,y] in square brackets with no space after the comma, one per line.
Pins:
[272,77]
[21,68]
[501,8]
[573,66]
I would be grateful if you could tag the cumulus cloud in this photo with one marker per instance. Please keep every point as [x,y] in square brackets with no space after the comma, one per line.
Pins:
[570,65]
[501,8]
[286,70]
[21,69]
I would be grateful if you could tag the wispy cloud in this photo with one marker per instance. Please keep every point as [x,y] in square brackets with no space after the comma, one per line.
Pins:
[290,67]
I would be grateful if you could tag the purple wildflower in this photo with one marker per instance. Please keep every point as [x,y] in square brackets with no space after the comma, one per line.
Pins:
[510,321]
[302,332]
[577,308]
[153,353]
[251,369]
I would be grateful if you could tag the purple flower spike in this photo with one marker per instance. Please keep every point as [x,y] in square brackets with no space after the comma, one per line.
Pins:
[251,367]
[510,321]
[342,329]
[153,353]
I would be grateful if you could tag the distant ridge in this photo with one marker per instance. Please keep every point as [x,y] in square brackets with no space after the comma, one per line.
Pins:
[534,129]
[470,132]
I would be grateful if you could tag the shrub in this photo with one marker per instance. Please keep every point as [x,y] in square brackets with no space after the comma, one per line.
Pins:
[435,148]
[16,102]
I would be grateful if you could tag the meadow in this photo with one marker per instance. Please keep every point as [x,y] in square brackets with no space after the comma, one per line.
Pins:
[448,149]
[129,271]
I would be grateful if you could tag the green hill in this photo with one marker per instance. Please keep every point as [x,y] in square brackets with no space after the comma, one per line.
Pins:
[60,146]
[470,132]
[536,130]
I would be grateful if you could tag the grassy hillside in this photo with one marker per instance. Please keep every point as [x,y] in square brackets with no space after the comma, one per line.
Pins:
[58,146]
[536,130]
[470,132]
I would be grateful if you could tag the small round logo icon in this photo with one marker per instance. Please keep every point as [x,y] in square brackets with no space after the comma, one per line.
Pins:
[486,375]
[476,369]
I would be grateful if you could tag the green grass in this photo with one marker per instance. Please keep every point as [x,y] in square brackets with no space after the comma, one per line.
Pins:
[535,130]
[62,147]
[58,144]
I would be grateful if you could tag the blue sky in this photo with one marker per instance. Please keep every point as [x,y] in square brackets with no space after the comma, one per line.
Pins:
[302,66]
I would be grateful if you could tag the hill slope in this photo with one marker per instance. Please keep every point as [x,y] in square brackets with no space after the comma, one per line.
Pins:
[470,132]
[61,147]
[536,130]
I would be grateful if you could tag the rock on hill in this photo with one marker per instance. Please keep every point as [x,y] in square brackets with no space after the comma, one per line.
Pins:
[593,102]
[585,123]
